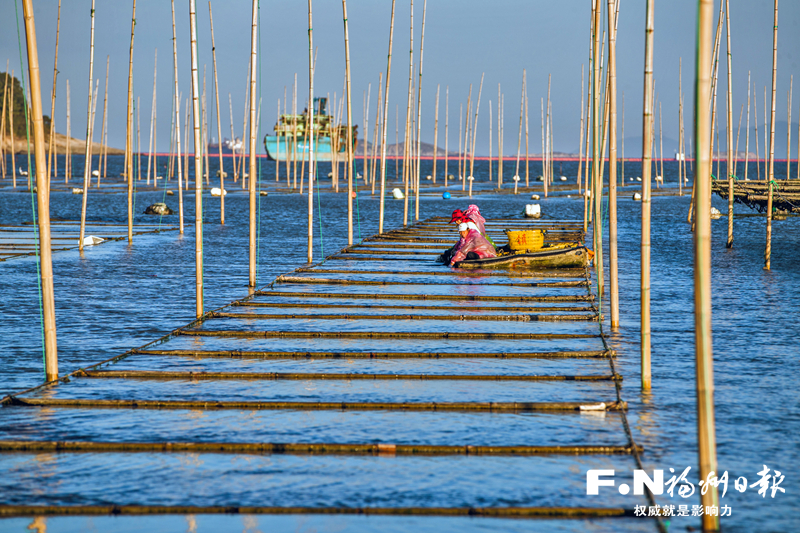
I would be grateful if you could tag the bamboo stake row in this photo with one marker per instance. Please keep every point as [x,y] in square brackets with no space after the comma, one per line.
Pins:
[443,297]
[494,407]
[482,308]
[340,281]
[251,354]
[345,316]
[303,376]
[383,335]
[303,448]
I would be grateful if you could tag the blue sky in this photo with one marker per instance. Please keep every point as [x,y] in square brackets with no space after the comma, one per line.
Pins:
[464,38]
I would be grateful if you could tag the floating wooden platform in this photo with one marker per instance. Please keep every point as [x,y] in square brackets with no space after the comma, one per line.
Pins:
[754,194]
[379,336]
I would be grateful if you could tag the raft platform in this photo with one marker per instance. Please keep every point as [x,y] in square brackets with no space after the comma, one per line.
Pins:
[365,384]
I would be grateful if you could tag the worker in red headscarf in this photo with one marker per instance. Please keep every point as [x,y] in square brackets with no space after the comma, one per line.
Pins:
[471,245]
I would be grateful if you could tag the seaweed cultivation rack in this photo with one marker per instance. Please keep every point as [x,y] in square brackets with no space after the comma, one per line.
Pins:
[377,329]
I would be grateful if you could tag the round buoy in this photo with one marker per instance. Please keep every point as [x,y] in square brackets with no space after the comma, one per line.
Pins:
[446,195]
[354,194]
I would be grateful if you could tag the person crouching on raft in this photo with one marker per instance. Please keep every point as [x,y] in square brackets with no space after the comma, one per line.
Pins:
[471,245]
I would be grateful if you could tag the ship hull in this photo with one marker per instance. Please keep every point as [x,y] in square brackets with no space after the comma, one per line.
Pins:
[281,148]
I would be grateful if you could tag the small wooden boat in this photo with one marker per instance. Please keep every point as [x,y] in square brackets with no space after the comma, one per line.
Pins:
[569,256]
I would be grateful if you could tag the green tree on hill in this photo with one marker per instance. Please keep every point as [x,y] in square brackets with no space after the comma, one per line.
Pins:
[17,103]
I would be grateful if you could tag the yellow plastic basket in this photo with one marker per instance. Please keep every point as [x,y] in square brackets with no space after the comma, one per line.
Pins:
[526,240]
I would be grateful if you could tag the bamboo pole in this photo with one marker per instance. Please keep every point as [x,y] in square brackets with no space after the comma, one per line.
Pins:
[204,131]
[252,144]
[129,131]
[375,133]
[527,154]
[766,144]
[613,262]
[736,150]
[465,152]
[436,135]
[11,124]
[471,177]
[771,175]
[198,164]
[646,168]
[490,141]
[348,96]
[311,63]
[138,144]
[597,179]
[294,135]
[712,98]
[544,164]
[729,160]
[419,111]
[755,122]
[747,131]
[68,155]
[51,144]
[460,124]
[702,267]
[365,110]
[547,176]
[622,146]
[580,142]
[3,121]
[500,140]
[177,119]
[409,105]
[661,141]
[680,125]
[88,133]
[519,136]
[789,130]
[245,114]
[42,199]
[447,136]
[152,125]
[185,142]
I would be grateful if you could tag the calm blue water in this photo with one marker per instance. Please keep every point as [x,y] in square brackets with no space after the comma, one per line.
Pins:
[114,297]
